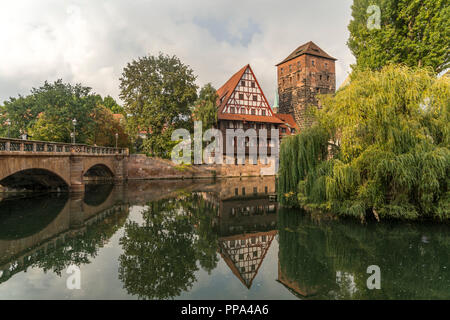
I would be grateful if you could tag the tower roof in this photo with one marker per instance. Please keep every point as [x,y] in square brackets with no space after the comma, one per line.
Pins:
[308,48]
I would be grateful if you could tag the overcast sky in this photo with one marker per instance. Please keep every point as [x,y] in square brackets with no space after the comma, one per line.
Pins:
[91,41]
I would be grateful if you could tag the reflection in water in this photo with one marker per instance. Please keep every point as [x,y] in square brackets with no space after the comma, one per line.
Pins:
[185,232]
[54,231]
[329,259]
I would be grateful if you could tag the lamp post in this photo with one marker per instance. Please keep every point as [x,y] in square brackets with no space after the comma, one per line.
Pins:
[74,122]
[117,137]
[8,123]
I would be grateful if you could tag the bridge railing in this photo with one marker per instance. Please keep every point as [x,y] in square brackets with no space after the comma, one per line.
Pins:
[32,146]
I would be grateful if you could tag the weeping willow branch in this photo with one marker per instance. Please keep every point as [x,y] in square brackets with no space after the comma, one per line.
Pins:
[380,146]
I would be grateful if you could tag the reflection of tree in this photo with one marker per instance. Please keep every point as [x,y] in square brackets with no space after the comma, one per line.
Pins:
[160,255]
[83,247]
[329,259]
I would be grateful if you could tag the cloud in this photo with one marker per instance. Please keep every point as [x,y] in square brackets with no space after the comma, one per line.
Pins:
[92,41]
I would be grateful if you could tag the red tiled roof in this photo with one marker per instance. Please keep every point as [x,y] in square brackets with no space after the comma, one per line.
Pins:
[227,89]
[307,48]
[249,117]
[287,118]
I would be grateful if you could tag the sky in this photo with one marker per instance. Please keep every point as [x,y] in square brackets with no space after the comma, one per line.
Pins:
[91,41]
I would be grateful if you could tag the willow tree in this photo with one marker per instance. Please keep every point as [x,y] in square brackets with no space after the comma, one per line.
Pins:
[380,146]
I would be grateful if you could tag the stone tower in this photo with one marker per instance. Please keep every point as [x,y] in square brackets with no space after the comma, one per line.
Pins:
[306,72]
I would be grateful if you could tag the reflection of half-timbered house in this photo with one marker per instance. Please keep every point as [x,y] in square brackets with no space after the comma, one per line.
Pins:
[243,105]
[246,224]
[244,253]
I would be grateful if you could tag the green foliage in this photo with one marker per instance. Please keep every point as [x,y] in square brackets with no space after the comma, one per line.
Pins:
[158,92]
[412,32]
[205,109]
[390,157]
[47,114]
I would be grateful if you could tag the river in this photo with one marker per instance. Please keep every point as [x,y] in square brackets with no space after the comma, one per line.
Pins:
[204,239]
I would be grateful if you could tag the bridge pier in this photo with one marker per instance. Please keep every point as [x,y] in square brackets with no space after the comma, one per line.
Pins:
[76,175]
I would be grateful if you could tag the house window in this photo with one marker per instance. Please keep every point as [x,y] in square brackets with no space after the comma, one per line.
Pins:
[328,78]
[320,77]
[241,96]
[263,112]
[290,67]
[326,65]
[253,84]
[230,125]
[236,191]
[283,130]
[232,110]
[255,190]
[298,76]
[243,191]
[255,97]
[299,65]
[312,63]
[281,71]
[253,112]
[243,83]
[243,111]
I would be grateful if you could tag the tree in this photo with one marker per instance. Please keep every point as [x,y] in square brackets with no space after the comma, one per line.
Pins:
[205,109]
[112,105]
[54,106]
[380,146]
[412,32]
[158,92]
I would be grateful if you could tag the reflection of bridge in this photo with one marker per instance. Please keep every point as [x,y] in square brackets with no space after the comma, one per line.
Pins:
[25,163]
[17,254]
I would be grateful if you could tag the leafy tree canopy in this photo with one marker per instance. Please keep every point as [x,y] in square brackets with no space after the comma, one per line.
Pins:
[413,32]
[205,109]
[158,92]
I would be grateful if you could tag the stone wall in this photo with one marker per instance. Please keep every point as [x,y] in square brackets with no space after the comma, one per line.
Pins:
[143,167]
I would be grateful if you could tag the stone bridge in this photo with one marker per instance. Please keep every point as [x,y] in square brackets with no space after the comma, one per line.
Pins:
[58,166]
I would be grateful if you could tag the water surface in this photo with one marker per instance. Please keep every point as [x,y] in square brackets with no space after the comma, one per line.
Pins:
[208,240]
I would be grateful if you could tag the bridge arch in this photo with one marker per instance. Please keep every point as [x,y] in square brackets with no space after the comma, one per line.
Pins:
[99,170]
[34,179]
